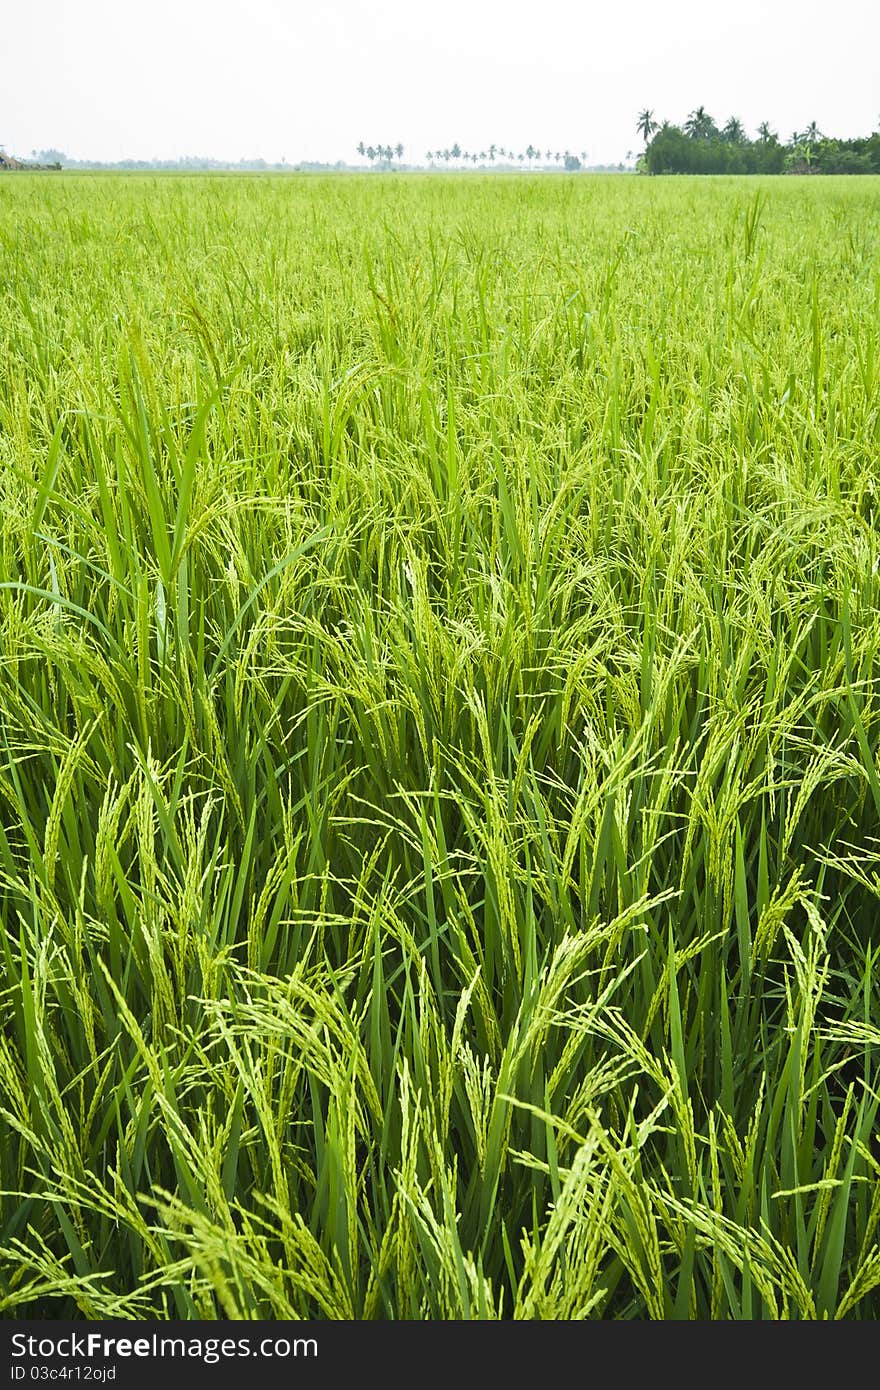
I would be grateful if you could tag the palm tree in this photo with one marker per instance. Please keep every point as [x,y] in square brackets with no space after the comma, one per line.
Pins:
[456,151]
[492,149]
[765,134]
[734,131]
[812,134]
[646,125]
[583,156]
[699,124]
[361,149]
[398,150]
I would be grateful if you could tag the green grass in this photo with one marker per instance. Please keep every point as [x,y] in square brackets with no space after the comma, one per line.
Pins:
[439,723]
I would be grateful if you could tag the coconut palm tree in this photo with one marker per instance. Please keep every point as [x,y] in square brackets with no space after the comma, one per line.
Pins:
[398,150]
[361,149]
[812,134]
[734,131]
[699,124]
[646,125]
[765,134]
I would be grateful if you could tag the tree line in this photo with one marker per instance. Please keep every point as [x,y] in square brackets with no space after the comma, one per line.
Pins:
[701,146]
[384,155]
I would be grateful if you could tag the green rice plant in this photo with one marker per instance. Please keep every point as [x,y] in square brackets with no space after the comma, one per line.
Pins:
[439,723]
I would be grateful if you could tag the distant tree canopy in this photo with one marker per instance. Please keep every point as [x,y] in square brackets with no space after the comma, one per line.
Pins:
[701,146]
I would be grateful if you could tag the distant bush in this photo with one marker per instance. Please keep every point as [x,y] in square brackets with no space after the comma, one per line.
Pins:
[673,152]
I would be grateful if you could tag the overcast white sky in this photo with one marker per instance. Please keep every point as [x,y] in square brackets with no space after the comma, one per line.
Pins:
[302,79]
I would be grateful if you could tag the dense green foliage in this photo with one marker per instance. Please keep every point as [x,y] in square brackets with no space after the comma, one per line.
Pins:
[439,723]
[702,147]
[671,151]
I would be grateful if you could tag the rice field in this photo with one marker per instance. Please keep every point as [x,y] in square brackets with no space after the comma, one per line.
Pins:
[439,725]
